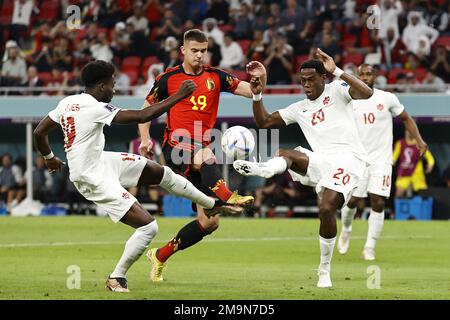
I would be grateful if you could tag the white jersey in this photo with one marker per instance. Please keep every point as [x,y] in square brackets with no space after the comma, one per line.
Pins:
[82,119]
[374,121]
[328,122]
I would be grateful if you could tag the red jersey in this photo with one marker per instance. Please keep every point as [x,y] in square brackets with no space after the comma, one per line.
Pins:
[201,107]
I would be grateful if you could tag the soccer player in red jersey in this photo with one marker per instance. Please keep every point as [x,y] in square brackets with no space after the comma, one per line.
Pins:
[201,108]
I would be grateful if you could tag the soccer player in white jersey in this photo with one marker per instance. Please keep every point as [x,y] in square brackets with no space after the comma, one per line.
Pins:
[101,176]
[337,162]
[374,121]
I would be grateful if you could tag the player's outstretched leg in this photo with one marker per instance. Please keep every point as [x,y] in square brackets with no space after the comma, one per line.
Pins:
[146,229]
[287,159]
[211,175]
[376,221]
[347,215]
[330,202]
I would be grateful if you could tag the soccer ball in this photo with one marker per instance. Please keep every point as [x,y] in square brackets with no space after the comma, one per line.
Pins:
[237,142]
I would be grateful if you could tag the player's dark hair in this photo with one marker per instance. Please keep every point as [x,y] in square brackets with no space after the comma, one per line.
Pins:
[195,35]
[95,72]
[314,64]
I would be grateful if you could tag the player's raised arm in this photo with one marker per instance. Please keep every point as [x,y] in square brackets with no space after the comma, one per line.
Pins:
[358,89]
[40,136]
[263,118]
[412,128]
[157,109]
[254,69]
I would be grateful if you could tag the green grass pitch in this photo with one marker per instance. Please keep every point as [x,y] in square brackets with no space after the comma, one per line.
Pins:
[244,259]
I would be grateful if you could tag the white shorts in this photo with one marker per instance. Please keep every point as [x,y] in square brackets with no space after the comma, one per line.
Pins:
[120,171]
[377,180]
[339,172]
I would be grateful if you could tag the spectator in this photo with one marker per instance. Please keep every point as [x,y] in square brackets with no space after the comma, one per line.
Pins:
[12,186]
[244,23]
[213,55]
[328,28]
[271,31]
[415,29]
[153,71]
[278,190]
[75,82]
[170,26]
[82,53]
[211,29]
[59,79]
[173,59]
[294,21]
[33,81]
[380,80]
[14,69]
[410,170]
[139,22]
[393,51]
[43,59]
[141,90]
[261,15]
[441,64]
[154,12]
[197,10]
[42,181]
[39,34]
[390,10]
[169,44]
[109,14]
[62,58]
[219,10]
[436,17]
[365,38]
[279,60]
[123,82]
[101,50]
[331,47]
[20,21]
[433,83]
[327,9]
[256,50]
[231,52]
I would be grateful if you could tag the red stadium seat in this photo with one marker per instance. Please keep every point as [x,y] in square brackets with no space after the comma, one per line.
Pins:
[349,40]
[7,12]
[131,62]
[46,77]
[132,73]
[241,75]
[245,45]
[420,74]
[355,58]
[49,10]
[148,62]
[392,75]
[225,28]
[443,41]
[299,60]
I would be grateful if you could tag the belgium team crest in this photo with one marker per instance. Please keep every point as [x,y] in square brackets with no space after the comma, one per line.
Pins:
[210,84]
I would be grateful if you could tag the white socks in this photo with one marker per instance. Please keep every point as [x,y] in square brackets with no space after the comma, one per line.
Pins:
[278,164]
[376,221]
[347,215]
[180,186]
[326,253]
[134,248]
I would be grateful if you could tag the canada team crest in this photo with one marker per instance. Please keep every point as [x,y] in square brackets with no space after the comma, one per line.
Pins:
[380,107]
[326,100]
[210,84]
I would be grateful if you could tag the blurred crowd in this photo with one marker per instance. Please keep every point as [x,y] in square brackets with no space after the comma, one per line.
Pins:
[408,41]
